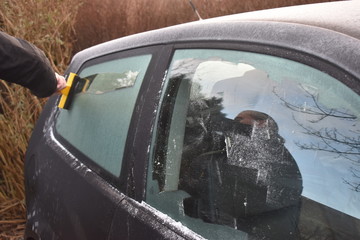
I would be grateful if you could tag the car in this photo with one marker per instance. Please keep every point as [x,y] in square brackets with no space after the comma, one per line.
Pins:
[238,127]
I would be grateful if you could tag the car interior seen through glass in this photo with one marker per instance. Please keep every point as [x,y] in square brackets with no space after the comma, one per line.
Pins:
[251,145]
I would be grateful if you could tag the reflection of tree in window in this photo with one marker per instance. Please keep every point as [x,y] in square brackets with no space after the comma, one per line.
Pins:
[235,170]
[343,143]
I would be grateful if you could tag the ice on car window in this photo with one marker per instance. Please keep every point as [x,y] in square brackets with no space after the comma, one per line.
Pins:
[99,119]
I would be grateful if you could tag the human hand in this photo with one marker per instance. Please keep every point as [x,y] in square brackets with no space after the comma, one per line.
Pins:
[61,82]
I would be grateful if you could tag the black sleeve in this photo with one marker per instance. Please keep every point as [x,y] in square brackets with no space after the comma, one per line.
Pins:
[23,63]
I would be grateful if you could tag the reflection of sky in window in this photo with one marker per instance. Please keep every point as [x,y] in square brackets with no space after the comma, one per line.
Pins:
[243,87]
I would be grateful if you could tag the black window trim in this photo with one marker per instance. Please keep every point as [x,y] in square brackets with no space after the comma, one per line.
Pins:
[142,126]
[302,57]
[121,181]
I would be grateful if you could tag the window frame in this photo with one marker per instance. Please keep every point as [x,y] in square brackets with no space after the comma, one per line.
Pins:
[308,59]
[333,69]
[119,182]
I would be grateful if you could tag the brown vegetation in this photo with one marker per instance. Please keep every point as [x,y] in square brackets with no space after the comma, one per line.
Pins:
[50,25]
[103,20]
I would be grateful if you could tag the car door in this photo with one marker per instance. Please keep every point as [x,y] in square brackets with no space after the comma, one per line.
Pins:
[77,163]
[250,142]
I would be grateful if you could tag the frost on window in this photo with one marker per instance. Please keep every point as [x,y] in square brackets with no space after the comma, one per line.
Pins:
[256,147]
[100,116]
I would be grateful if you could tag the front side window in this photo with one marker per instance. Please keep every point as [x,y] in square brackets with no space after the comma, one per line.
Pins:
[256,146]
[97,122]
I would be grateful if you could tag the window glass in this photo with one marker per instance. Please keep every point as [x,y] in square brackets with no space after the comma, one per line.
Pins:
[98,120]
[256,146]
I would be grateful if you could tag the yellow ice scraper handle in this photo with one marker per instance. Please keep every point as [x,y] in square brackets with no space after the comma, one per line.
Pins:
[68,91]
[74,85]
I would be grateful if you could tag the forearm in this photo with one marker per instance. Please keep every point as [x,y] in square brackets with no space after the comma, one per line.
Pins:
[24,64]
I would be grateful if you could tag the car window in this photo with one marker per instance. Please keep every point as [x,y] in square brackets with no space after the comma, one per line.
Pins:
[98,120]
[255,146]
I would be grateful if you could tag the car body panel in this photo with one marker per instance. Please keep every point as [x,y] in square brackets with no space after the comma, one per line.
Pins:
[64,178]
[339,16]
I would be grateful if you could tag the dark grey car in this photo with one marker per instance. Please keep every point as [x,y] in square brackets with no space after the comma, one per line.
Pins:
[239,127]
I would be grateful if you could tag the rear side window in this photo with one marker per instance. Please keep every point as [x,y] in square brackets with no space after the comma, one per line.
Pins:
[98,120]
[255,146]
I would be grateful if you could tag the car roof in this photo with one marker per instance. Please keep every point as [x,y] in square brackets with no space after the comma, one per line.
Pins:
[339,16]
[329,31]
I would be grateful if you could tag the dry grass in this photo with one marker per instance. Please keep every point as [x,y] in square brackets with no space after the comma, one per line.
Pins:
[50,24]
[97,22]
[20,109]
